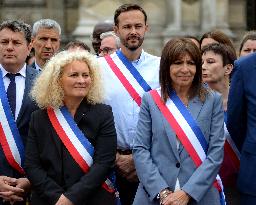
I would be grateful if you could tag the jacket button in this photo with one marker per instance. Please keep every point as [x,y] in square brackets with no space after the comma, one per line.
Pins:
[178,165]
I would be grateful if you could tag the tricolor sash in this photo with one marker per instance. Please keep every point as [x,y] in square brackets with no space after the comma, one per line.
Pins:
[132,81]
[187,131]
[75,141]
[231,149]
[10,138]
[231,161]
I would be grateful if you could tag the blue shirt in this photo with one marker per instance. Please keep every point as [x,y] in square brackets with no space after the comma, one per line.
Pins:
[125,109]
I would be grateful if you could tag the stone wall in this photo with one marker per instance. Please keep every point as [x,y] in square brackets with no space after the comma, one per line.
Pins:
[167,18]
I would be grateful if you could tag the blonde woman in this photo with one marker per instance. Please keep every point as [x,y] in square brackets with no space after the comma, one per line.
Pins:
[72,139]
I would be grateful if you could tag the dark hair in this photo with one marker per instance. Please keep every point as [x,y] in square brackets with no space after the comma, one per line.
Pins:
[128,7]
[218,36]
[251,35]
[98,29]
[77,43]
[173,50]
[225,51]
[18,26]
[192,37]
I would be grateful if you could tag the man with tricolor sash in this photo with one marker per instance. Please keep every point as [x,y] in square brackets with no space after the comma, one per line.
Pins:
[128,74]
[15,108]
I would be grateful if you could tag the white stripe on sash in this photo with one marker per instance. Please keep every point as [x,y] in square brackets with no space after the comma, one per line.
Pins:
[185,127]
[9,136]
[73,139]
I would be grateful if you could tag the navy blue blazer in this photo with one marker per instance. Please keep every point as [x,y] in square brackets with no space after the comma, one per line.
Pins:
[27,107]
[242,120]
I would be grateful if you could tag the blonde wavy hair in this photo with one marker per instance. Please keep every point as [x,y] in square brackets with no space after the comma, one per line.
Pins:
[47,91]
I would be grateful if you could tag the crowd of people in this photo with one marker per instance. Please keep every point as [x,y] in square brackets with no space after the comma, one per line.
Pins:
[122,126]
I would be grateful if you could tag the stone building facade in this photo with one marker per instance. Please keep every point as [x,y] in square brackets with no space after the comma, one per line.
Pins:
[167,18]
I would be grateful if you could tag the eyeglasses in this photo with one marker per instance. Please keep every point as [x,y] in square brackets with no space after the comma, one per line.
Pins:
[106,50]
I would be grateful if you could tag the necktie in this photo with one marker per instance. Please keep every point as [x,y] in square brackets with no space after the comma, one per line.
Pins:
[11,92]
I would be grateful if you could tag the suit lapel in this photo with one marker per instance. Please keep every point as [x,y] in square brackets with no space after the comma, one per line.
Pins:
[171,137]
[30,76]
[57,141]
[194,107]
[81,111]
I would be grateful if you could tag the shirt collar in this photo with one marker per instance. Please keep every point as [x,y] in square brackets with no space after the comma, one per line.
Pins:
[141,58]
[38,67]
[22,71]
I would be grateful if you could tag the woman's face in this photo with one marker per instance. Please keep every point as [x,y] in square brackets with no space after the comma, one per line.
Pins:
[207,41]
[75,80]
[248,47]
[182,71]
[212,67]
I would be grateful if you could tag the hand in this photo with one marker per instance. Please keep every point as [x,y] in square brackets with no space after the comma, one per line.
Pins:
[132,177]
[8,189]
[125,165]
[24,184]
[176,198]
[63,201]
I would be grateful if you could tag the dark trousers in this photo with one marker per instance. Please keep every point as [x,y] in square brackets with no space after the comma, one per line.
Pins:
[8,203]
[127,190]
[246,199]
[232,195]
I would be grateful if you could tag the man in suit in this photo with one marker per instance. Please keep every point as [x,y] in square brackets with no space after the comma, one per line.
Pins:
[45,41]
[242,124]
[15,37]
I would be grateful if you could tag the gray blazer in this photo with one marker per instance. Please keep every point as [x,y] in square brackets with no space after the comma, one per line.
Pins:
[159,162]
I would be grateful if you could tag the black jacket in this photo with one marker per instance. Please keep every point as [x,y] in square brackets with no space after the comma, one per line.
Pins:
[52,170]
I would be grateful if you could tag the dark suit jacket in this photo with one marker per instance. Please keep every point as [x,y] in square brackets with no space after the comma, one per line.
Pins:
[242,120]
[28,106]
[51,169]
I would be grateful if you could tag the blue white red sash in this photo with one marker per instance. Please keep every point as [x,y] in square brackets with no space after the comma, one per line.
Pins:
[128,75]
[186,129]
[75,141]
[10,138]
[231,149]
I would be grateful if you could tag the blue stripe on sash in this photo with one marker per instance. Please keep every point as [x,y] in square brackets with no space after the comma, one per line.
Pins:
[11,121]
[183,110]
[135,73]
[79,134]
[225,117]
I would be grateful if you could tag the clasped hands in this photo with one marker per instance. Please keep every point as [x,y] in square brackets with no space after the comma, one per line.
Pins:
[12,189]
[175,198]
[125,167]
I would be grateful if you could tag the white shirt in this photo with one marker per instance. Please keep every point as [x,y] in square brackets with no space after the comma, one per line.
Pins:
[124,108]
[20,86]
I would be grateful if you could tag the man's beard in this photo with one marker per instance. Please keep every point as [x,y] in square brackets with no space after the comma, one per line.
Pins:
[132,47]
